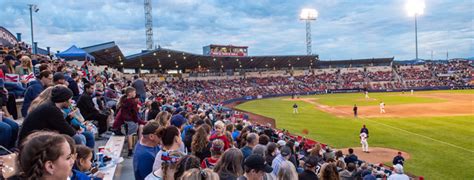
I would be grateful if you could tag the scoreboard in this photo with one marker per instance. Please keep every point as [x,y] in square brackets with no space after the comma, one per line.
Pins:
[225,50]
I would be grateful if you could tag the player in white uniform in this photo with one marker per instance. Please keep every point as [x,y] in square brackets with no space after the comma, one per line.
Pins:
[382,107]
[363,141]
[366,94]
[411,92]
[295,108]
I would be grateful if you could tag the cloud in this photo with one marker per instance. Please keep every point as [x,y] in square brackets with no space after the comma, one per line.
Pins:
[344,29]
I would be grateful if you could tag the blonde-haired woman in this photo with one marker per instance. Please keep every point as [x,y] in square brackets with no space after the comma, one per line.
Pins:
[42,98]
[25,67]
[196,173]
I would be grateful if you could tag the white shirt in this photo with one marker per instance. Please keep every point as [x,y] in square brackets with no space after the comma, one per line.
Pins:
[396,176]
[382,105]
[363,137]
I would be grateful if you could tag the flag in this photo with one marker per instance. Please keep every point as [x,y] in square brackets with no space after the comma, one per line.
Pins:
[12,77]
[30,77]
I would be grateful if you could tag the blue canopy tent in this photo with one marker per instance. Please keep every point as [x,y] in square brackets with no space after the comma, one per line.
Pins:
[75,53]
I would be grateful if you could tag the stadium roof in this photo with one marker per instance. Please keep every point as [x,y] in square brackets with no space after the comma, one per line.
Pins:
[106,53]
[172,59]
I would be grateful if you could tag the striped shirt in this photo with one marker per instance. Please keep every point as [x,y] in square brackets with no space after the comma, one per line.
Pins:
[276,163]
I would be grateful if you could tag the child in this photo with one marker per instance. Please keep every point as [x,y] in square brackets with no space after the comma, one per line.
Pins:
[220,134]
[83,164]
[217,149]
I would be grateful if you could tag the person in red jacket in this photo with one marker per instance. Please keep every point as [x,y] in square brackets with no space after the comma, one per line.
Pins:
[128,113]
[219,133]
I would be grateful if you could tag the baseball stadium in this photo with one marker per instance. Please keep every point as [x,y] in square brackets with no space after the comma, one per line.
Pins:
[104,109]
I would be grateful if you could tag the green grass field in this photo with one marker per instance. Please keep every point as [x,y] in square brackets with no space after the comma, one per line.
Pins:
[424,138]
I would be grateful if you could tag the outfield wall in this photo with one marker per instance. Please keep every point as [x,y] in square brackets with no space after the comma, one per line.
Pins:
[248,98]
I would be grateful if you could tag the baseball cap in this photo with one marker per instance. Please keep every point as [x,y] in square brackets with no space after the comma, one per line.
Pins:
[150,128]
[285,151]
[178,120]
[281,143]
[398,168]
[58,76]
[311,161]
[257,162]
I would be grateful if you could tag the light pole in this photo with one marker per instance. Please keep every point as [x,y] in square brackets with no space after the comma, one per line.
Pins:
[415,8]
[33,7]
[308,15]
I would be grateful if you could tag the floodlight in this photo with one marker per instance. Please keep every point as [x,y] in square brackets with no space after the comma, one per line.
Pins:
[308,14]
[415,7]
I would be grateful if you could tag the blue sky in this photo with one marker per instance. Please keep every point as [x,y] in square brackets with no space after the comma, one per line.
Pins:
[344,30]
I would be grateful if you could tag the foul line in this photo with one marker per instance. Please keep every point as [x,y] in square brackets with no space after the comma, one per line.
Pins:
[393,127]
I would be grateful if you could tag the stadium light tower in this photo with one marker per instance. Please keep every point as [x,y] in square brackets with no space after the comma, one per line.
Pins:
[148,24]
[308,15]
[33,7]
[415,8]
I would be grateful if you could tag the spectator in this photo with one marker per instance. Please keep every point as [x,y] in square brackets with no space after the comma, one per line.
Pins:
[398,173]
[83,162]
[284,155]
[44,79]
[217,149]
[88,110]
[198,174]
[263,139]
[351,157]
[310,165]
[169,164]
[398,159]
[170,141]
[58,78]
[58,162]
[329,172]
[25,67]
[270,153]
[287,171]
[186,163]
[49,115]
[200,145]
[145,151]
[255,168]
[154,110]
[252,140]
[236,132]
[72,84]
[229,167]
[163,118]
[348,173]
[220,134]
[140,86]
[8,132]
[339,156]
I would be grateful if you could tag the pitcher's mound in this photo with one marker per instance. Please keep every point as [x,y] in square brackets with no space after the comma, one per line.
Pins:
[377,155]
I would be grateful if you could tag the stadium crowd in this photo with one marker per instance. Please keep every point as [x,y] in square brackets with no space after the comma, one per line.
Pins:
[183,133]
[183,130]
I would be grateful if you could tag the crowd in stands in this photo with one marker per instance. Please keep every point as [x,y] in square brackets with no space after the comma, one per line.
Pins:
[415,73]
[183,132]
[380,76]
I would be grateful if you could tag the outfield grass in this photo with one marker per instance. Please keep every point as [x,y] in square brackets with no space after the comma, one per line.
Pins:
[424,138]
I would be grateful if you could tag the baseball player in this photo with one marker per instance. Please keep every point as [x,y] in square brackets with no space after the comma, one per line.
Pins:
[363,141]
[382,107]
[411,92]
[295,108]
[355,110]
[366,94]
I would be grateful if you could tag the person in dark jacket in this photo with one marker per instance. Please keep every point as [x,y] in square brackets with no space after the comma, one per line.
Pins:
[88,110]
[72,80]
[351,157]
[49,115]
[44,79]
[398,159]
[310,165]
